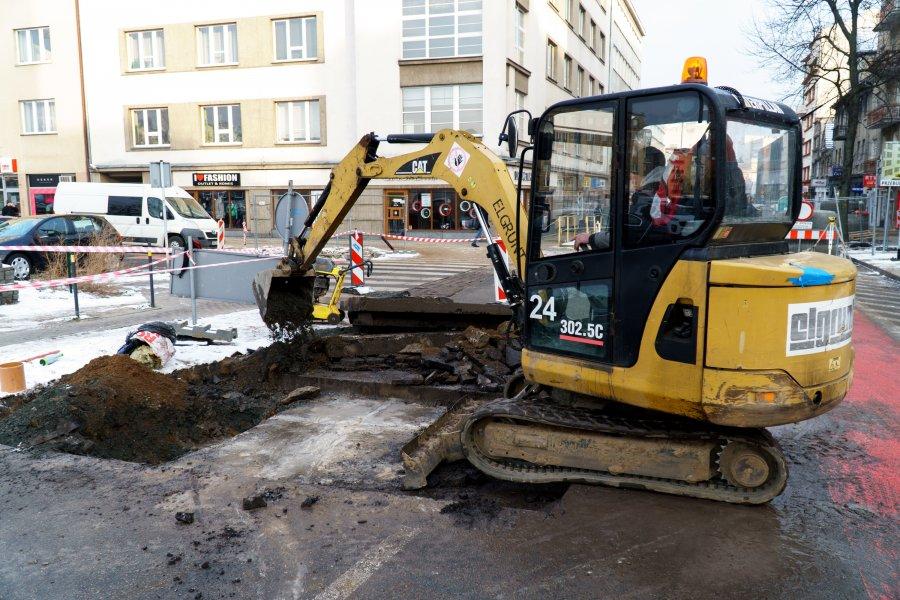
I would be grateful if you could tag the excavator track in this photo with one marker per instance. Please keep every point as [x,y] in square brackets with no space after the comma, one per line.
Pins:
[691,450]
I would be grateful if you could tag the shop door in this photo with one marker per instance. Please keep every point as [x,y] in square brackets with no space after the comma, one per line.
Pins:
[395,213]
[41,200]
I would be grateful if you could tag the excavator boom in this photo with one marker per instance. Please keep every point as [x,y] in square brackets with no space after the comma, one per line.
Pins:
[284,294]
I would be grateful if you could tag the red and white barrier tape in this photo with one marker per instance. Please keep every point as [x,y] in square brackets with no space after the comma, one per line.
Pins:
[23,285]
[89,249]
[408,238]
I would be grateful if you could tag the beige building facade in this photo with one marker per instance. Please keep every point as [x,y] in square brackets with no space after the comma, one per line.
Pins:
[42,124]
[243,98]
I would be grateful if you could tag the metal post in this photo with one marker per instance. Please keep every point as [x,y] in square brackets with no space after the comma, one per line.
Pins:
[73,288]
[190,244]
[887,219]
[255,222]
[290,219]
[152,291]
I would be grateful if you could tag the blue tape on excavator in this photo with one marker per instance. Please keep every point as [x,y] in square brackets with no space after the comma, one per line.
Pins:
[811,276]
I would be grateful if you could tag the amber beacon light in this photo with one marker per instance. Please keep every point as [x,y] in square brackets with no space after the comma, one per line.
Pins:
[694,70]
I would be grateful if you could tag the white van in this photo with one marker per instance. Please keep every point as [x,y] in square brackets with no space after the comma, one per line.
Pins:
[135,210]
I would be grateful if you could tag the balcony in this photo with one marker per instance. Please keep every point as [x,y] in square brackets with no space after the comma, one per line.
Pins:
[883,116]
[840,132]
[889,17]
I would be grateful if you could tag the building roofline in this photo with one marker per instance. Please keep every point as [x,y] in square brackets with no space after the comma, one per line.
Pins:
[634,17]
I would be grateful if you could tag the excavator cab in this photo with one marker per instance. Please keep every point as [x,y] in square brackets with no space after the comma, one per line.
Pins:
[630,184]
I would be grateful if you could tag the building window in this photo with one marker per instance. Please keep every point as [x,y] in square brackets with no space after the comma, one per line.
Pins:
[592,36]
[217,44]
[441,28]
[298,121]
[579,82]
[222,124]
[296,39]
[521,118]
[567,72]
[567,10]
[33,45]
[592,86]
[551,60]
[601,46]
[150,127]
[38,116]
[146,50]
[429,109]
[582,21]
[520,35]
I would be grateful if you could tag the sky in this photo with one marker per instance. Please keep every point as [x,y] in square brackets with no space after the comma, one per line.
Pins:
[715,29]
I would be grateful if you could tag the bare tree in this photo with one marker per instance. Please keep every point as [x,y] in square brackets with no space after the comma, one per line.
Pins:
[821,41]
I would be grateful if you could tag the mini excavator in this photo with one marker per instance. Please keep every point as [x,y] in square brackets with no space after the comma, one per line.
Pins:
[659,344]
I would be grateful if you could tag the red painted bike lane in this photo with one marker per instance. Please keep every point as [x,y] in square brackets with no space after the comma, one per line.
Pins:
[868,479]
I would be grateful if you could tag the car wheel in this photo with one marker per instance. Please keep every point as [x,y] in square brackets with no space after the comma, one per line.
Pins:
[176,243]
[21,265]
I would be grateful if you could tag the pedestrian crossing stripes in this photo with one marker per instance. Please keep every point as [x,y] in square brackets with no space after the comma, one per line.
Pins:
[396,276]
[879,298]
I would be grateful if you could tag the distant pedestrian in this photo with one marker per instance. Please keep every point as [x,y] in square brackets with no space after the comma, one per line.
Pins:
[478,233]
[10,209]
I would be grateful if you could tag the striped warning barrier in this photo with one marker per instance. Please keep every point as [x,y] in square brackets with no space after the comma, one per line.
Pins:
[812,234]
[499,293]
[357,273]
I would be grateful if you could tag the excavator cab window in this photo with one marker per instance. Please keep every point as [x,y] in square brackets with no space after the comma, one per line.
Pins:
[670,177]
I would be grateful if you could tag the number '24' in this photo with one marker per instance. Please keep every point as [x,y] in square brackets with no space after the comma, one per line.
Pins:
[542,310]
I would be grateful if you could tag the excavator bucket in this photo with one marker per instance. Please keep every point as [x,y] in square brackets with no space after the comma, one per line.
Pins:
[285,300]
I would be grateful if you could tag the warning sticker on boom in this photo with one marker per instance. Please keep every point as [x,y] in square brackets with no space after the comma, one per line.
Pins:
[457,159]
[819,326]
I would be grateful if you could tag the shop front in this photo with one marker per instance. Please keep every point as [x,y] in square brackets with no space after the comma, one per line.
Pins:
[42,190]
[427,210]
[220,195]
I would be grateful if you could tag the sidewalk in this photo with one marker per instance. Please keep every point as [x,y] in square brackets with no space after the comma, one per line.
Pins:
[880,261]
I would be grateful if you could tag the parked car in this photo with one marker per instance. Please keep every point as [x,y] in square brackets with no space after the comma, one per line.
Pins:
[48,230]
[136,211]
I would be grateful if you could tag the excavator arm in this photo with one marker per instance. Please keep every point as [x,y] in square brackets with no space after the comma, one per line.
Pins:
[284,294]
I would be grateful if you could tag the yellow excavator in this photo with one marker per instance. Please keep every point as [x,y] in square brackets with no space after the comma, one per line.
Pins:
[659,344]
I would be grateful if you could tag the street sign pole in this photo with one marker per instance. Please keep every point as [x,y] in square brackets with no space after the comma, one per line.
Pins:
[161,177]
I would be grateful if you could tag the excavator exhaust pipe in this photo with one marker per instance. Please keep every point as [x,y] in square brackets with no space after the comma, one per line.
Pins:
[285,300]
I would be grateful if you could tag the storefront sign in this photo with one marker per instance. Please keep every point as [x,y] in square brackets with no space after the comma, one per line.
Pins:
[837,171]
[44,180]
[869,181]
[8,165]
[817,183]
[217,179]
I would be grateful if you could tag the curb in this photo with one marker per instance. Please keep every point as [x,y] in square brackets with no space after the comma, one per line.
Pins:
[887,274]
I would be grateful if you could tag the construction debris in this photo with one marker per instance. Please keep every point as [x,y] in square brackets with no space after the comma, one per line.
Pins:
[115,407]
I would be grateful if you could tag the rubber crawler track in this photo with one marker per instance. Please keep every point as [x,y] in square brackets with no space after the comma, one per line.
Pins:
[545,412]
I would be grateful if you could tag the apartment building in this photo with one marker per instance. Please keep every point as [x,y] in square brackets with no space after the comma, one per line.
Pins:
[243,98]
[42,126]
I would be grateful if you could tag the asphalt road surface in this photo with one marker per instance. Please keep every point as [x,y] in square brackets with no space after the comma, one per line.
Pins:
[74,527]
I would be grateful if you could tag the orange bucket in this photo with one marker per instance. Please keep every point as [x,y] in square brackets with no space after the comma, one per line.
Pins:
[12,377]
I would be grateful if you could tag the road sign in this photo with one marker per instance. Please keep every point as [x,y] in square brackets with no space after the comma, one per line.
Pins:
[160,174]
[806,211]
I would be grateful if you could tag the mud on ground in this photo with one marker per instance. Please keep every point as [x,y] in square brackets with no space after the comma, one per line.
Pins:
[114,407]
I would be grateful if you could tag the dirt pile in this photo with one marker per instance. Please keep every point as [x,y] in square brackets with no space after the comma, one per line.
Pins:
[114,407]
